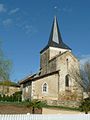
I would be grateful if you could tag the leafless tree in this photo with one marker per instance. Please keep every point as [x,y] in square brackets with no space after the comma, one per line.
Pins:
[82,76]
[5,69]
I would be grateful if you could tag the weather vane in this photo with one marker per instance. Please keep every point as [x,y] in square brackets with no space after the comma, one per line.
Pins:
[55,10]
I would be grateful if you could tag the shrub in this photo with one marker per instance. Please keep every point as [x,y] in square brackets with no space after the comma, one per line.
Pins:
[36,104]
[13,98]
[85,105]
[17,96]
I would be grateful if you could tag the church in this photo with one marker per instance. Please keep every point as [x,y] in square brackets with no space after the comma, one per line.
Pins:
[53,83]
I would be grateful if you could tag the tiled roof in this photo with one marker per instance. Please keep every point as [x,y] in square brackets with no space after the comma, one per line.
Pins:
[38,77]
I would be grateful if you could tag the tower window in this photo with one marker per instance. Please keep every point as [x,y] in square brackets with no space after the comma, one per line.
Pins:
[45,87]
[67,63]
[67,59]
[60,52]
[67,80]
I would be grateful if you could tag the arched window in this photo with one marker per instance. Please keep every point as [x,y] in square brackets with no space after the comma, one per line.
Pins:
[67,80]
[45,87]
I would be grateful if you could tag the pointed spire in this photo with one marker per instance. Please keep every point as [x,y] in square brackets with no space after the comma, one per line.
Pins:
[55,35]
[55,31]
[55,39]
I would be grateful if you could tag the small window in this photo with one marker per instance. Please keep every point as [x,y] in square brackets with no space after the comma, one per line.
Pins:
[27,89]
[45,87]
[67,59]
[67,63]
[60,52]
[67,80]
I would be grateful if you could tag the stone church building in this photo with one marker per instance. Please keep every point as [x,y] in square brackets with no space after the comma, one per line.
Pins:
[53,83]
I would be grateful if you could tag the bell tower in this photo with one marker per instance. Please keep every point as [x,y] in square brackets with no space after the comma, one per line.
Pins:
[54,47]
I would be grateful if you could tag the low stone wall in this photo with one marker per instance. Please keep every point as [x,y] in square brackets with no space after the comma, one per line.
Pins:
[68,103]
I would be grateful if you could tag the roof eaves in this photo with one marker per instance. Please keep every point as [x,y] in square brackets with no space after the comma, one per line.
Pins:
[26,79]
[45,48]
[45,75]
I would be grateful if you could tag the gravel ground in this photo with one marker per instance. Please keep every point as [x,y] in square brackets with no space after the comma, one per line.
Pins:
[58,111]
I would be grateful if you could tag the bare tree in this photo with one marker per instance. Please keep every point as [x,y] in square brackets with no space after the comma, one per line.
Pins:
[86,77]
[5,69]
[82,76]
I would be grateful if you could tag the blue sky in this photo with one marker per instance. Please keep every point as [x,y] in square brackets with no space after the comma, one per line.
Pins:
[25,27]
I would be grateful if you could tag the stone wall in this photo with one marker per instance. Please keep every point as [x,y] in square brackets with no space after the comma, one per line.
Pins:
[26,91]
[44,58]
[4,89]
[64,103]
[64,63]
[13,89]
[52,85]
[9,90]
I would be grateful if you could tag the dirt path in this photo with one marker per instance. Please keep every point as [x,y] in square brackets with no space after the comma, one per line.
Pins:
[58,111]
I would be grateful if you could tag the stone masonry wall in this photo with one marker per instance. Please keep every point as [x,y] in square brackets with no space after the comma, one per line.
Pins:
[74,91]
[52,85]
[68,103]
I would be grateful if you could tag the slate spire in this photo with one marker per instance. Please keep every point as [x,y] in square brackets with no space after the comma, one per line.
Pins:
[55,39]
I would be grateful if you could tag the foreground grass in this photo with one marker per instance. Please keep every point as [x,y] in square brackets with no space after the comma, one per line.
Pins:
[63,107]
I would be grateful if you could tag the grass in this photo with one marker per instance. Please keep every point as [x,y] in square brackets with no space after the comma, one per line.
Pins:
[14,103]
[8,83]
[63,107]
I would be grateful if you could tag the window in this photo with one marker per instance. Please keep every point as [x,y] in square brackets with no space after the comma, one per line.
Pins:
[27,89]
[67,80]
[67,59]
[44,87]
[67,63]
[60,52]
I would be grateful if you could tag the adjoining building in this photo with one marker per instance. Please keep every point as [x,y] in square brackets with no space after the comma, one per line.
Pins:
[53,82]
[8,88]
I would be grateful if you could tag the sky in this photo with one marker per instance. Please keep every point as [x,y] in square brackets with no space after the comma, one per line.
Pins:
[25,27]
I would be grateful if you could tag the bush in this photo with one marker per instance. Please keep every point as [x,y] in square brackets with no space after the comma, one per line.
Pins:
[13,98]
[85,105]
[36,104]
[17,96]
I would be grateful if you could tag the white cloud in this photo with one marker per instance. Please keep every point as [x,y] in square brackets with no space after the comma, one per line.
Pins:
[2,8]
[18,21]
[28,28]
[13,11]
[84,58]
[64,9]
[7,22]
[67,10]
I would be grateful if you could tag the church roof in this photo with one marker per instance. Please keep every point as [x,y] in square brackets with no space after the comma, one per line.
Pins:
[55,39]
[32,78]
